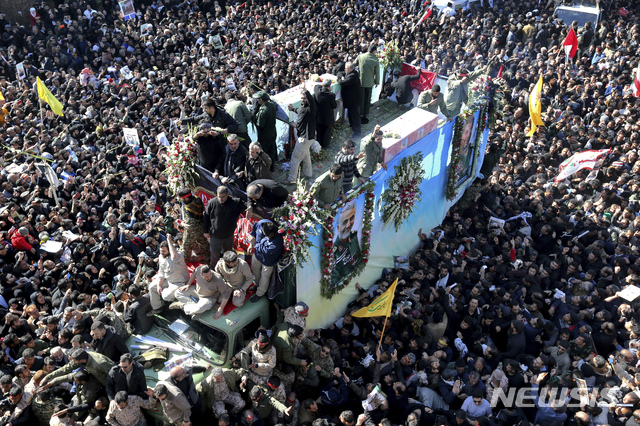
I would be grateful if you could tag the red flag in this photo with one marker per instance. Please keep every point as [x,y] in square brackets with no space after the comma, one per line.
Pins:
[500,71]
[636,82]
[426,80]
[425,16]
[570,44]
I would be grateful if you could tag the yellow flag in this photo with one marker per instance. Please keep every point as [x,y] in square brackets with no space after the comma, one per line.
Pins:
[1,98]
[381,307]
[535,107]
[45,94]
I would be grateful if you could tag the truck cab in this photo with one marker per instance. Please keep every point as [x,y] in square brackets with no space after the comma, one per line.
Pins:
[582,12]
[207,340]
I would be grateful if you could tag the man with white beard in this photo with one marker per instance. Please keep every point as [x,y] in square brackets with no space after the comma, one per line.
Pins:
[346,247]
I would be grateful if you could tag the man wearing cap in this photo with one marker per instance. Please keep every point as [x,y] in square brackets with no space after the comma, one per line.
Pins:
[194,245]
[297,315]
[306,131]
[237,274]
[221,388]
[203,290]
[265,119]
[458,89]
[369,68]
[260,358]
[239,111]
[176,410]
[325,119]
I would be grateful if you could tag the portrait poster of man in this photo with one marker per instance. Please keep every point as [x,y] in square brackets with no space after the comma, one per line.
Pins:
[467,149]
[127,9]
[347,240]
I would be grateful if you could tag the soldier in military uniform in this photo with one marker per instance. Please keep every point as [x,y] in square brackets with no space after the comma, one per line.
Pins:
[265,119]
[260,358]
[297,315]
[262,404]
[43,405]
[221,388]
[346,247]
[458,89]
[276,389]
[321,357]
[194,245]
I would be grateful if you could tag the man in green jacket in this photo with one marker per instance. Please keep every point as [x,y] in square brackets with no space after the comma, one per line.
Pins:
[266,125]
[458,89]
[95,363]
[369,69]
[262,404]
[239,111]
[372,148]
[328,187]
[432,100]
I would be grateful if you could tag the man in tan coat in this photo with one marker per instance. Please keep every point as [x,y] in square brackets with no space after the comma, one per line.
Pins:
[176,409]
[237,274]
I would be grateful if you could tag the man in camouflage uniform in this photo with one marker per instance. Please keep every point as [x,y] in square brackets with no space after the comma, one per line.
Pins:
[260,357]
[44,405]
[263,404]
[321,357]
[297,315]
[194,245]
[275,388]
[221,388]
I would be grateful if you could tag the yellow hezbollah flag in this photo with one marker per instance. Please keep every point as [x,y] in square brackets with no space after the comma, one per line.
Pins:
[46,95]
[535,107]
[1,98]
[381,307]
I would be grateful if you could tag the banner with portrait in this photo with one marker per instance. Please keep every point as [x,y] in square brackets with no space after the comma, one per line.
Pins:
[347,238]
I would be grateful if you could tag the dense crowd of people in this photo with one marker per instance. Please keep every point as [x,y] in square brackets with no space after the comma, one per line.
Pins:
[535,303]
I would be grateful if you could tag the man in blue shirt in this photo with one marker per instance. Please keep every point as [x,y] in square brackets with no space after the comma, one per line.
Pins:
[269,247]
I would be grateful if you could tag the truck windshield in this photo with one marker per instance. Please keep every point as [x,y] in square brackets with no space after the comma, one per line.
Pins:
[582,16]
[196,337]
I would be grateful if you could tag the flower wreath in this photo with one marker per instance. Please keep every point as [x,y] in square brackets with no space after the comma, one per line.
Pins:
[327,290]
[402,191]
[297,219]
[180,162]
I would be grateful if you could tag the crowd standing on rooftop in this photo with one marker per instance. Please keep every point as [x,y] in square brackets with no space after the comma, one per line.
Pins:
[532,305]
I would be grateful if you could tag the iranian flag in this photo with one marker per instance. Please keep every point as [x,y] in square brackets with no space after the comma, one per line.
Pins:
[590,160]
[636,82]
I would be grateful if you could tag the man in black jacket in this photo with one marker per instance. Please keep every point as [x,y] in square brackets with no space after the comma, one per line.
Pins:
[220,220]
[352,98]
[231,162]
[128,376]
[106,342]
[404,95]
[210,141]
[265,194]
[136,314]
[306,129]
[325,119]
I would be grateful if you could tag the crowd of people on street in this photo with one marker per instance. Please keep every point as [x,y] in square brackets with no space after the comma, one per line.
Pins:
[518,309]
